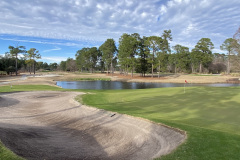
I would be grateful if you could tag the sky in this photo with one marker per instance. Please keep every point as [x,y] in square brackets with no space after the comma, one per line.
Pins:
[59,28]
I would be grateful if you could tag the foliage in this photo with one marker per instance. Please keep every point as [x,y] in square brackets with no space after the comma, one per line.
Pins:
[108,51]
[53,66]
[154,44]
[31,55]
[7,63]
[202,53]
[71,65]
[142,65]
[86,58]
[14,51]
[229,46]
[128,50]
[137,54]
[63,66]
[180,59]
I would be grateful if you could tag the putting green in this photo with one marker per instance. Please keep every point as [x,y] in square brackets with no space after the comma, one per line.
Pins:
[211,116]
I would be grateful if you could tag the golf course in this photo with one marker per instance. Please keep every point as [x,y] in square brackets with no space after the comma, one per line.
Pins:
[209,115]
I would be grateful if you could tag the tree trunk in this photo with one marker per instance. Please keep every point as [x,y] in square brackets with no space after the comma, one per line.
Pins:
[16,65]
[159,70]
[132,73]
[192,67]
[111,67]
[228,67]
[34,67]
[30,69]
[200,67]
[152,70]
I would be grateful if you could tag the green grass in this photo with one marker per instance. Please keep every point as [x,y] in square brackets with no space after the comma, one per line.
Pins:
[211,116]
[17,88]
[6,154]
[3,73]
[91,79]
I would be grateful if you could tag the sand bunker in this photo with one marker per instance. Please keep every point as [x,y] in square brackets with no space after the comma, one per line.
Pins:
[51,125]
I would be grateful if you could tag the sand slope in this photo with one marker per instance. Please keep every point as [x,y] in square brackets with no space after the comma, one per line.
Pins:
[51,125]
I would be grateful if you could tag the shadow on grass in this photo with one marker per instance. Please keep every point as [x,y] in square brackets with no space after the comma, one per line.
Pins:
[216,108]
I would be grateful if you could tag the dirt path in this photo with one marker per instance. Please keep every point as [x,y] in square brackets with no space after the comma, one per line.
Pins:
[51,125]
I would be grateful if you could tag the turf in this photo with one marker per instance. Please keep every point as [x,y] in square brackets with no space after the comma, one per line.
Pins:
[209,115]
[16,88]
[6,154]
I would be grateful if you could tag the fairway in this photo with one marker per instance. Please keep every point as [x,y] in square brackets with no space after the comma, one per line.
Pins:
[209,115]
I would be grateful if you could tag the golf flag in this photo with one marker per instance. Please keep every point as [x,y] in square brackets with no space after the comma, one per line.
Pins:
[186,81]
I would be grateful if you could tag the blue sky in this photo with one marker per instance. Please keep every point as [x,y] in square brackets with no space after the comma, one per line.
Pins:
[58,28]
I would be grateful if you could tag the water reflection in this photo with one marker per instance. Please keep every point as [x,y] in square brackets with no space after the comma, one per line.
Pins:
[128,85]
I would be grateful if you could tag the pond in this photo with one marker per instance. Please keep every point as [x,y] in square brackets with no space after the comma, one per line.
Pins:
[129,85]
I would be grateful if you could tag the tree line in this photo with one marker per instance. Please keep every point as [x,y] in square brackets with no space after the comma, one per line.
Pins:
[153,54]
[135,54]
[12,61]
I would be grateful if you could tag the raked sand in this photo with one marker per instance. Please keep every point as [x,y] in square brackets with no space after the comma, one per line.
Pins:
[52,125]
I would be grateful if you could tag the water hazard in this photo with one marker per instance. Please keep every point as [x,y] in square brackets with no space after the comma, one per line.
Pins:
[129,85]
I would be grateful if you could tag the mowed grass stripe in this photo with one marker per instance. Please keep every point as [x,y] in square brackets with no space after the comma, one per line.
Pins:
[207,107]
[211,116]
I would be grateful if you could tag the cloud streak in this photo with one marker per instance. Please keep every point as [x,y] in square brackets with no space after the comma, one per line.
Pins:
[92,21]
[54,49]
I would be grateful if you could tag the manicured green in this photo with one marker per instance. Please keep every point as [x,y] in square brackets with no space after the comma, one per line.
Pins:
[6,154]
[16,88]
[211,116]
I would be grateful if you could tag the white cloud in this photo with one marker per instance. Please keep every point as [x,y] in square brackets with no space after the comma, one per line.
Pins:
[94,21]
[54,49]
[53,59]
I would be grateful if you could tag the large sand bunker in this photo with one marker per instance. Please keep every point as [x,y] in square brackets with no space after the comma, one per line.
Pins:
[52,125]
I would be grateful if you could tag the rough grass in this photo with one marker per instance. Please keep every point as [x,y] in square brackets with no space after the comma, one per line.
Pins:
[3,73]
[16,88]
[6,154]
[204,75]
[209,115]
